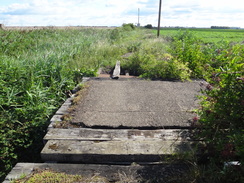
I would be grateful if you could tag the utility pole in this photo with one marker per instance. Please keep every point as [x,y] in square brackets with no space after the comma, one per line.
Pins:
[159,17]
[138,25]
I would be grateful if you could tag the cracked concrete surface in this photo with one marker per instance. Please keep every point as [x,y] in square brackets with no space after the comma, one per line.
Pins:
[136,103]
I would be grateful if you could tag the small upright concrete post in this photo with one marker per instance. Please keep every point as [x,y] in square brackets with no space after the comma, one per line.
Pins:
[116,72]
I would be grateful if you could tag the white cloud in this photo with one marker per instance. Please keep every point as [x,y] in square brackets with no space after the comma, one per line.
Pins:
[203,13]
[112,12]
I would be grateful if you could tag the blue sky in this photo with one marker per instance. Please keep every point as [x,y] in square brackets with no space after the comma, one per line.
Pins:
[197,13]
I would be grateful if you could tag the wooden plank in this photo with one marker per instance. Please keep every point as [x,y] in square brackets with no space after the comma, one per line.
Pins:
[114,173]
[56,118]
[116,72]
[111,151]
[63,110]
[68,101]
[87,134]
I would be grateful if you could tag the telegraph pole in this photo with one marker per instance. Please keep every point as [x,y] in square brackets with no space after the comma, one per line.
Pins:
[138,25]
[159,17]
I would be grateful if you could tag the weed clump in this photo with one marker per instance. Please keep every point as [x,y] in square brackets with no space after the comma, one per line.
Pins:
[47,176]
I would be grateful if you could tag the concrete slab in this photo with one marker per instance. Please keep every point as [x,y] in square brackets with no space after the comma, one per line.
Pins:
[137,103]
[167,172]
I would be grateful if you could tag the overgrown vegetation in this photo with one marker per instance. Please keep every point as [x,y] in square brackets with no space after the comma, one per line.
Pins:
[221,115]
[220,119]
[49,176]
[39,67]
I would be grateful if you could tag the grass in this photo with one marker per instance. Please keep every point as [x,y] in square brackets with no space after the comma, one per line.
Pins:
[49,176]
[209,35]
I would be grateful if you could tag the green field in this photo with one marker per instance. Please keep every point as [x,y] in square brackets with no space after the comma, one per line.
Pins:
[210,35]
[38,68]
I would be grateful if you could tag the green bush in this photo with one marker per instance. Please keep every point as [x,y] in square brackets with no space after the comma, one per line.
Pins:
[116,34]
[128,27]
[221,120]
[186,47]
[167,68]
[149,26]
[153,67]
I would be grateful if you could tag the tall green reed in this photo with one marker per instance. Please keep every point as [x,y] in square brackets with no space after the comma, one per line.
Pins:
[37,68]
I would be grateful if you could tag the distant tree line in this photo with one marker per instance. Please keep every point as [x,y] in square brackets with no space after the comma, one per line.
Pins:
[220,27]
[224,27]
[149,26]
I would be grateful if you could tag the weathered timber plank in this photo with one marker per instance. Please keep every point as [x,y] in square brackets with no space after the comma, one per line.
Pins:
[87,134]
[111,151]
[56,118]
[114,173]
[68,101]
[63,110]
[116,72]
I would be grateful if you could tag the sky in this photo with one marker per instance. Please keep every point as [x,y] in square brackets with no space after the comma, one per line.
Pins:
[187,13]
